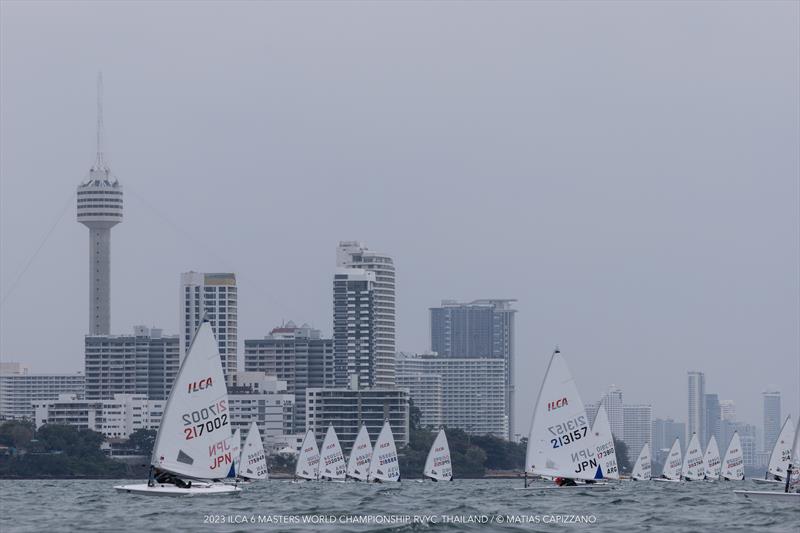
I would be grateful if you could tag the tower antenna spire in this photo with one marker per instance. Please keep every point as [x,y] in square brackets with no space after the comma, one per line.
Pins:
[100,163]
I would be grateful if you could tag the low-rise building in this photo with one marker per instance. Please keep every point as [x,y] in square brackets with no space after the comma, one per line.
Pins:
[20,389]
[115,418]
[348,409]
[265,399]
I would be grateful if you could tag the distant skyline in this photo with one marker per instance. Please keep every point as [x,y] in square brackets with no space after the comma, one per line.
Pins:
[627,171]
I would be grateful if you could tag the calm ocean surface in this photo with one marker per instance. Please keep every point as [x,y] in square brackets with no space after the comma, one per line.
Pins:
[70,505]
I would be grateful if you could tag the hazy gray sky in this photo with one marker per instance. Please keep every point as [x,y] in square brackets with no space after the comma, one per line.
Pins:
[628,171]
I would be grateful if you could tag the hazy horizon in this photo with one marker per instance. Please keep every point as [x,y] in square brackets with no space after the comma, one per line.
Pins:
[629,172]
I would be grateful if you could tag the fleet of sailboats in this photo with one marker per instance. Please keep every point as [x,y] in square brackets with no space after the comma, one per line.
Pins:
[195,451]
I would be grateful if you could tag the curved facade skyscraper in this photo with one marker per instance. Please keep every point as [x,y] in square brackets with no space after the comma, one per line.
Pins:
[100,209]
[375,367]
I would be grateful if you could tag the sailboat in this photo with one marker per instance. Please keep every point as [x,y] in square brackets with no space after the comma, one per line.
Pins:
[693,461]
[560,443]
[192,445]
[642,468]
[711,460]
[253,458]
[331,460]
[733,464]
[791,488]
[438,466]
[360,455]
[672,466]
[604,445]
[308,461]
[383,465]
[779,458]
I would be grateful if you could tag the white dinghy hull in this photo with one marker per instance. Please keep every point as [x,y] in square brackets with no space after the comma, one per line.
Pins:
[769,481]
[769,495]
[197,489]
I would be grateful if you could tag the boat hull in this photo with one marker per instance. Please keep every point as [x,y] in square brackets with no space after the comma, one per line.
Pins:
[768,495]
[590,486]
[198,489]
[665,480]
[768,481]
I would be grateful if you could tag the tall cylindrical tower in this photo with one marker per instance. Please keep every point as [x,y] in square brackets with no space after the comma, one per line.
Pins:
[100,209]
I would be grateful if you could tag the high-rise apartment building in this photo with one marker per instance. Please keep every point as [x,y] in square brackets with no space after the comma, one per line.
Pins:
[713,417]
[297,355]
[613,402]
[472,390]
[20,389]
[354,324]
[353,255]
[638,427]
[214,295]
[143,364]
[696,404]
[771,399]
[478,329]
[100,209]
[665,431]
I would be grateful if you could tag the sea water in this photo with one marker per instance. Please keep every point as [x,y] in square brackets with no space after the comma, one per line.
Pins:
[460,505]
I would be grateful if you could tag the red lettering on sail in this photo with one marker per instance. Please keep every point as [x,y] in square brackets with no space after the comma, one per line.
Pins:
[200,385]
[551,406]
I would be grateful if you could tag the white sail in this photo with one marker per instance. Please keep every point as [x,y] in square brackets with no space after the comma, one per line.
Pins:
[560,443]
[693,460]
[782,451]
[712,464]
[193,439]
[642,467]
[236,452]
[384,466]
[331,458]
[672,466]
[794,464]
[360,455]
[604,445]
[254,459]
[308,460]
[733,464]
[437,465]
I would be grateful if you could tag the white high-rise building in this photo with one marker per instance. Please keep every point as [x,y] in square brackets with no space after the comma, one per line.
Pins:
[100,209]
[19,389]
[354,325]
[772,416]
[473,390]
[214,294]
[696,404]
[613,403]
[638,428]
[355,255]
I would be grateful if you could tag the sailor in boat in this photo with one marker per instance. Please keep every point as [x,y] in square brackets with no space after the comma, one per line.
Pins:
[165,478]
[565,482]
